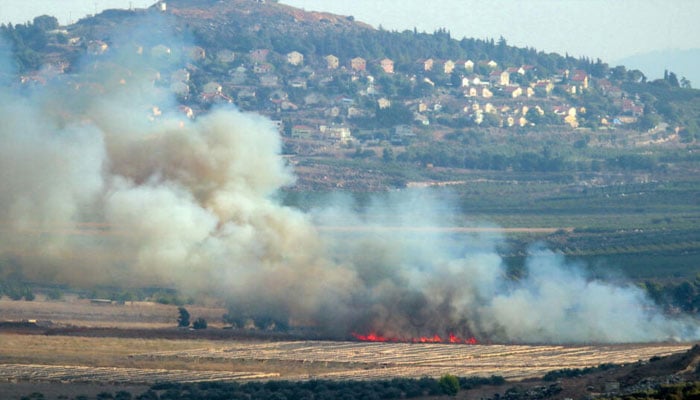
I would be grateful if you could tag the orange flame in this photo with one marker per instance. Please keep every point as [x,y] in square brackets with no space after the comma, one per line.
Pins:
[374,337]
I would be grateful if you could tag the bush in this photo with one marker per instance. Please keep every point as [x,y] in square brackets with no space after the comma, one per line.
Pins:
[34,396]
[183,320]
[200,323]
[122,395]
[54,294]
[449,384]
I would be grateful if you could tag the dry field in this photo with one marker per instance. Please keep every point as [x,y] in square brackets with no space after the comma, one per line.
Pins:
[356,360]
[82,312]
[143,361]
[118,359]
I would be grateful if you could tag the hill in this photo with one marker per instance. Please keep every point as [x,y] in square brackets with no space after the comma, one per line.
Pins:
[683,62]
[526,139]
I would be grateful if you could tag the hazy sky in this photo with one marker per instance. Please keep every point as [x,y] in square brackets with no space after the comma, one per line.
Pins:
[609,29]
[21,11]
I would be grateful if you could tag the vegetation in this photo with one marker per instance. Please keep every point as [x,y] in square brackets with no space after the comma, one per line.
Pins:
[169,296]
[12,283]
[199,323]
[681,391]
[575,372]
[449,384]
[16,289]
[668,100]
[682,295]
[183,319]
[29,41]
[314,389]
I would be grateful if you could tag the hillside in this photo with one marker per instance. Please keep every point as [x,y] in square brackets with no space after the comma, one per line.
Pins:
[683,62]
[526,139]
[318,70]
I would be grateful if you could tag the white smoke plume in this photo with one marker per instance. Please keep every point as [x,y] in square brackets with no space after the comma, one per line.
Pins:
[99,190]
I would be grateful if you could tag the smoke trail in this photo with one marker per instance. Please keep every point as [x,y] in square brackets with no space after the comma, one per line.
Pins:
[100,189]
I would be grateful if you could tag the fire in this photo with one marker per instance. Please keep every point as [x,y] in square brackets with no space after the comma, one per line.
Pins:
[374,337]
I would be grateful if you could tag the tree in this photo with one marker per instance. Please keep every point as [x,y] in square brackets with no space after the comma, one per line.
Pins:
[388,155]
[395,114]
[685,83]
[200,323]
[28,294]
[599,69]
[46,23]
[673,79]
[449,384]
[533,115]
[183,320]
[648,121]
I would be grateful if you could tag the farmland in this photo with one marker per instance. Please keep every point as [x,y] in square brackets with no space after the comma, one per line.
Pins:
[636,225]
[185,356]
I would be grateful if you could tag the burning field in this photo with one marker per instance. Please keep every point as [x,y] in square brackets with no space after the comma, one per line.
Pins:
[80,353]
[107,183]
[81,346]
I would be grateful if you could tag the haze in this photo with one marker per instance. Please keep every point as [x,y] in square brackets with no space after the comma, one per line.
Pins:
[618,32]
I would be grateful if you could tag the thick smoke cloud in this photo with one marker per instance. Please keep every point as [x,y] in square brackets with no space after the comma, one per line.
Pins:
[98,189]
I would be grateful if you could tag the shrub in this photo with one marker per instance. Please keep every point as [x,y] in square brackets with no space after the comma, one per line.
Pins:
[449,384]
[200,323]
[183,320]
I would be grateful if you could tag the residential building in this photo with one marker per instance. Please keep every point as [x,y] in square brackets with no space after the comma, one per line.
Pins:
[263,68]
[467,65]
[500,78]
[513,91]
[543,88]
[425,64]
[358,64]
[387,65]
[383,103]
[332,62]
[225,56]
[97,47]
[448,66]
[580,79]
[295,58]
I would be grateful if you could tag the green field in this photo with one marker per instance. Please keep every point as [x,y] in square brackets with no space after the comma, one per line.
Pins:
[642,229]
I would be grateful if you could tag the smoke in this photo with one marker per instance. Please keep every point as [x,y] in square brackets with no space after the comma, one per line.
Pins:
[105,182]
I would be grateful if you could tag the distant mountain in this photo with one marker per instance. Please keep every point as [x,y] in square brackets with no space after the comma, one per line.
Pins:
[682,62]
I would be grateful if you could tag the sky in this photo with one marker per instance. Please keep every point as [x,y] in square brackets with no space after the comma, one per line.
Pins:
[67,11]
[606,29]
[612,30]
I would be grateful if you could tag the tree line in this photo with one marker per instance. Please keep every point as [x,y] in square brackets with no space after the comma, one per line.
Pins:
[29,41]
[397,388]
